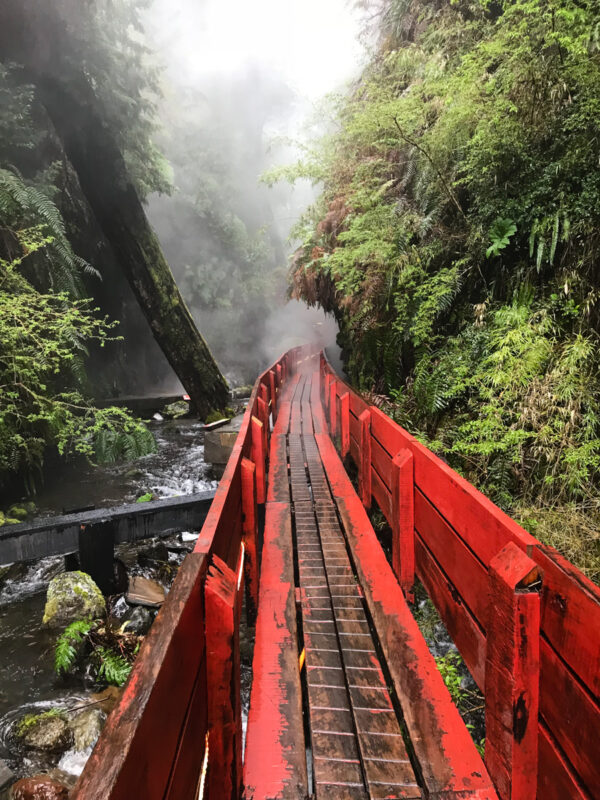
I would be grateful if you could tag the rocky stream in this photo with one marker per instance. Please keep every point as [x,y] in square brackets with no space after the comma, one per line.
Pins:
[50,722]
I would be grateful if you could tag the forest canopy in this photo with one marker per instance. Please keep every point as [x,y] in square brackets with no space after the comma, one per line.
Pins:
[456,240]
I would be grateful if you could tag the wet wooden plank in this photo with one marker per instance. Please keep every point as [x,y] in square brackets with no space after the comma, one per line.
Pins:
[447,756]
[275,761]
[556,778]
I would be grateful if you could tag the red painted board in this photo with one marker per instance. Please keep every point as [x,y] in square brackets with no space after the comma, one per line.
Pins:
[556,780]
[467,573]
[190,756]
[484,527]
[275,759]
[512,676]
[354,426]
[382,462]
[447,756]
[403,532]
[571,715]
[571,615]
[383,496]
[357,404]
[461,625]
[140,741]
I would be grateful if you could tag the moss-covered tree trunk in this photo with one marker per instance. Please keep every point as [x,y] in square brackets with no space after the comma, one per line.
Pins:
[32,35]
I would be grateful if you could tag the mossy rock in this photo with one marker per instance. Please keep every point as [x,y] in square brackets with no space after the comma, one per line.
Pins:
[48,732]
[175,410]
[17,512]
[72,596]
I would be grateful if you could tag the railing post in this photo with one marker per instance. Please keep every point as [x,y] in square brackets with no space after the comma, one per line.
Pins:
[263,415]
[273,387]
[250,528]
[258,456]
[403,518]
[345,423]
[512,674]
[222,599]
[364,447]
[333,408]
[279,376]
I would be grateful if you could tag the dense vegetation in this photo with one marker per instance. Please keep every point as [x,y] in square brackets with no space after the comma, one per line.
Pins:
[46,324]
[456,241]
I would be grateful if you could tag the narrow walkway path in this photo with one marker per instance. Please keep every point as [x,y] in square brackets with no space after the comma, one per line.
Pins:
[357,745]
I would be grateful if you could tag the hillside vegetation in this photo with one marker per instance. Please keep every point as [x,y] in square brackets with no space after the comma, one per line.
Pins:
[457,242]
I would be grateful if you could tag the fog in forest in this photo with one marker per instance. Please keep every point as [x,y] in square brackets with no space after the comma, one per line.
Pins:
[241,84]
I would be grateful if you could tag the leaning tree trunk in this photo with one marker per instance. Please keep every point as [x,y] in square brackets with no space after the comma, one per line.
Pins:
[73,107]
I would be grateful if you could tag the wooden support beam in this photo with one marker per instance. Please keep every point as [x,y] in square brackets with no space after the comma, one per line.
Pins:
[258,456]
[96,554]
[512,674]
[223,681]
[326,383]
[333,408]
[364,446]
[273,392]
[345,423]
[279,374]
[403,515]
[250,529]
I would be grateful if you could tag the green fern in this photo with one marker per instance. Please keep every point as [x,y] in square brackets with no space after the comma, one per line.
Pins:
[65,653]
[500,234]
[113,667]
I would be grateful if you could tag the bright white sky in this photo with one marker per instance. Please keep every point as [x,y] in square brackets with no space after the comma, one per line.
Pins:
[312,44]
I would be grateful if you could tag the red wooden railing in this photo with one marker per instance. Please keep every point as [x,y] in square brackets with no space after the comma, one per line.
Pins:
[176,733]
[526,622]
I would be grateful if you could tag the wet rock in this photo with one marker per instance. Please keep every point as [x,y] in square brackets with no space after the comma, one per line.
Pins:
[40,787]
[86,727]
[139,621]
[176,410]
[63,777]
[48,732]
[153,556]
[144,592]
[107,699]
[71,596]
[7,776]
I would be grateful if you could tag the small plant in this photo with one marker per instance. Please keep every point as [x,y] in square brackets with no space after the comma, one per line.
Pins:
[110,652]
[500,234]
[66,650]
[145,498]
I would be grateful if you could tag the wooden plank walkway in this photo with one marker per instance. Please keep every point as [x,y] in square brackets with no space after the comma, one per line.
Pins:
[354,732]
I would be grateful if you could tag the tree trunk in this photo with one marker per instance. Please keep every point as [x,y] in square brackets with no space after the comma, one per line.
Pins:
[32,35]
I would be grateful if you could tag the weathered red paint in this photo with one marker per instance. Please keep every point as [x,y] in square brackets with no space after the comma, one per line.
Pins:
[403,511]
[273,393]
[275,763]
[512,674]
[258,457]
[223,678]
[333,408]
[345,423]
[250,527]
[364,465]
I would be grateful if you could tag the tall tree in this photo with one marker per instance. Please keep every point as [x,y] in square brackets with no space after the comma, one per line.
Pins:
[41,38]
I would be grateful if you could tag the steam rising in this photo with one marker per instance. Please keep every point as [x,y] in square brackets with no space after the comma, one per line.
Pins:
[238,78]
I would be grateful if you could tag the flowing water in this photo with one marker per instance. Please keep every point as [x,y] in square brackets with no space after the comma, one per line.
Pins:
[28,683]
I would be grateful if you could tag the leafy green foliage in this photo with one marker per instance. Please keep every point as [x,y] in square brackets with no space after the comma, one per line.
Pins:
[111,653]
[500,234]
[456,238]
[114,669]
[65,652]
[43,338]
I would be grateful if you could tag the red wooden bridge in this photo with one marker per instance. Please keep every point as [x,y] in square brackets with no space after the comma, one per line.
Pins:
[346,699]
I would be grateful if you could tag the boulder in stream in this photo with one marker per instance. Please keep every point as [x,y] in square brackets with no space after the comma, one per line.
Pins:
[40,787]
[86,727]
[48,732]
[72,596]
[139,621]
